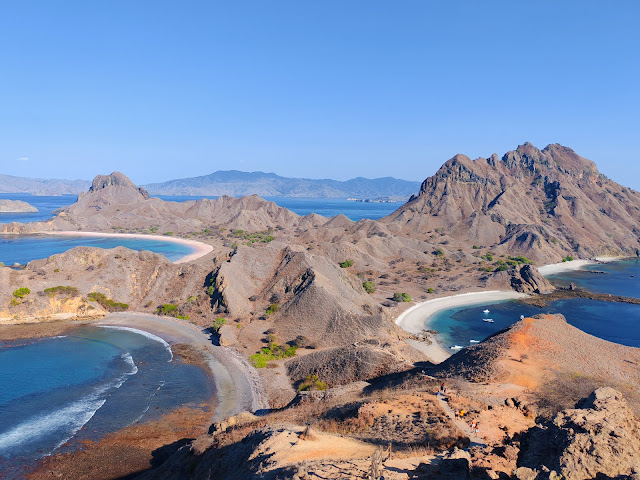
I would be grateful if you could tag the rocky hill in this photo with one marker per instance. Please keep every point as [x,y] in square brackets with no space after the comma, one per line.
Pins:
[547,355]
[115,201]
[236,183]
[544,204]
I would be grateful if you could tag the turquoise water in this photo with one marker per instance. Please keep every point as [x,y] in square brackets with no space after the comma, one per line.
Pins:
[327,207]
[616,322]
[24,248]
[58,391]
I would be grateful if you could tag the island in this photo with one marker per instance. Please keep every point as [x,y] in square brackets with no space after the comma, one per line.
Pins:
[16,206]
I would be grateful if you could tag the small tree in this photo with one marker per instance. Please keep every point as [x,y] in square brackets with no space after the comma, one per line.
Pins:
[369,287]
[401,297]
[346,264]
[21,292]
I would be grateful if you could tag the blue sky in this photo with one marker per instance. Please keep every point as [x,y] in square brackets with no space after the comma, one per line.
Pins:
[318,89]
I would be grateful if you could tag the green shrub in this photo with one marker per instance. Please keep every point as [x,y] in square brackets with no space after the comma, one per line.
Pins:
[168,309]
[168,234]
[568,258]
[273,308]
[438,252]
[107,303]
[273,352]
[476,247]
[346,264]
[21,292]
[401,297]
[183,317]
[219,323]
[430,290]
[312,382]
[369,287]
[62,290]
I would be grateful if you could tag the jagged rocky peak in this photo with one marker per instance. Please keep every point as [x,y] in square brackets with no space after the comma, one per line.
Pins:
[116,179]
[552,158]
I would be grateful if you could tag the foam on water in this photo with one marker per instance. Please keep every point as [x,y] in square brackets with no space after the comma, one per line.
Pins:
[150,336]
[69,419]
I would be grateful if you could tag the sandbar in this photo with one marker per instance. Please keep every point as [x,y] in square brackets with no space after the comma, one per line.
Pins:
[200,249]
[416,319]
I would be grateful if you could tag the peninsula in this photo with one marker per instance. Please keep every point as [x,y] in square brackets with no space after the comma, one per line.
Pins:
[317,327]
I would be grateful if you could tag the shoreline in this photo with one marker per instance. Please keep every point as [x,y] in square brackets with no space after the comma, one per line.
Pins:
[238,387]
[579,264]
[200,249]
[416,319]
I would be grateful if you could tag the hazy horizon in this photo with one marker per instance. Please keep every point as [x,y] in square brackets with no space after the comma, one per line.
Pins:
[162,91]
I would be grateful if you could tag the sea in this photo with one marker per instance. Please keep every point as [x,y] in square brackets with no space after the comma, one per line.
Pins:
[95,380]
[56,392]
[616,322]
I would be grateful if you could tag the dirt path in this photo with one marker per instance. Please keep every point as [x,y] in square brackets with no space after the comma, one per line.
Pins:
[461,424]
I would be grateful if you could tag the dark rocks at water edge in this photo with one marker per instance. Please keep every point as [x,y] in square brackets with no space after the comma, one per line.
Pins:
[16,206]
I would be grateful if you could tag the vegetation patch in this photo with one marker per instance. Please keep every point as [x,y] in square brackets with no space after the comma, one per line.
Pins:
[21,292]
[62,290]
[255,237]
[218,324]
[311,383]
[346,264]
[369,287]
[274,351]
[168,309]
[107,303]
[273,308]
[401,297]
[568,258]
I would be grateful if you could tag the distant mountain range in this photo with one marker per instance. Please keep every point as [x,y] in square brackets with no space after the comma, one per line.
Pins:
[234,183]
[41,186]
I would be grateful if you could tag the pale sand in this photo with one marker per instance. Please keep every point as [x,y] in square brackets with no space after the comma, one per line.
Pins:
[200,248]
[238,384]
[554,268]
[416,319]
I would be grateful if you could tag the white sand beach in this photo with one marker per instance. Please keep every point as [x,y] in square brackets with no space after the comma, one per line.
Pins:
[416,318]
[200,248]
[554,268]
[238,385]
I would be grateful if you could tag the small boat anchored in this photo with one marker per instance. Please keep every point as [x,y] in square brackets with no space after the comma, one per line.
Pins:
[488,320]
[456,347]
[485,310]
[474,341]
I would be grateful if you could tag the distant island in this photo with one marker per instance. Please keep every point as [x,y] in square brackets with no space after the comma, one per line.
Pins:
[379,200]
[41,186]
[16,206]
[236,183]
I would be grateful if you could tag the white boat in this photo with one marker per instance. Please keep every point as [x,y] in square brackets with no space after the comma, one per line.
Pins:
[488,320]
[485,311]
[456,347]
[474,341]
[521,317]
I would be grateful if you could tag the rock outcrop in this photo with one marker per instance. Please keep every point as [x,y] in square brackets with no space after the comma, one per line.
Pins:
[544,204]
[527,279]
[16,206]
[598,439]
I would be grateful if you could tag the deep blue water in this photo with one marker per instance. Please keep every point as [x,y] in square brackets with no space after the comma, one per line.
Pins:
[80,386]
[46,205]
[24,248]
[327,207]
[616,322]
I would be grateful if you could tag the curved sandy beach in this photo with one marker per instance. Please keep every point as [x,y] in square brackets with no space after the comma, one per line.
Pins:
[416,319]
[554,268]
[238,385]
[200,248]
